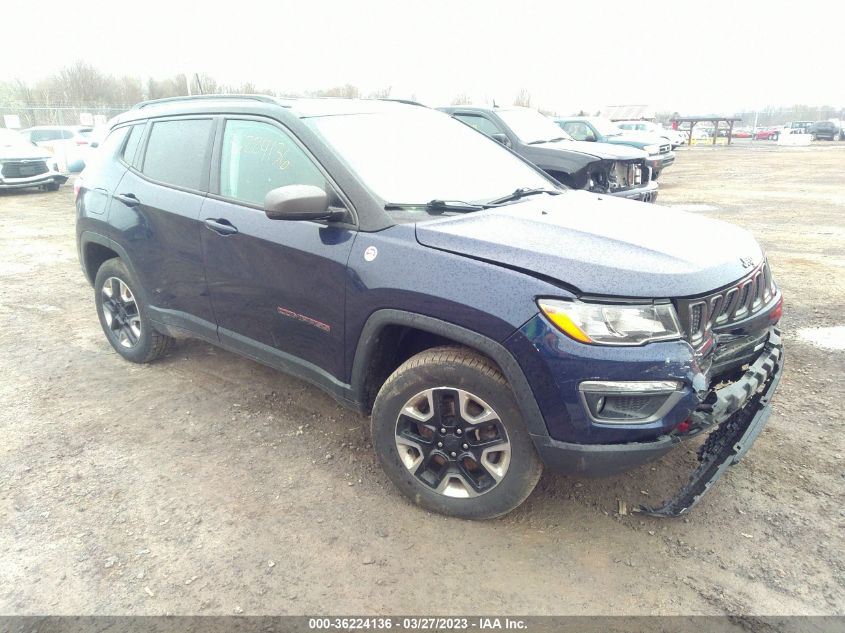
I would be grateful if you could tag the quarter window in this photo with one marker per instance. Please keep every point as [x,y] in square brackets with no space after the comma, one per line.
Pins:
[176,152]
[257,157]
[128,154]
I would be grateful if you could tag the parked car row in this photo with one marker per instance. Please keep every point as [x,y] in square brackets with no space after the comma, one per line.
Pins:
[818,130]
[491,322]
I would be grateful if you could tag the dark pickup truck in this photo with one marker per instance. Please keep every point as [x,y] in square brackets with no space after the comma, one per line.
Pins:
[597,167]
[492,322]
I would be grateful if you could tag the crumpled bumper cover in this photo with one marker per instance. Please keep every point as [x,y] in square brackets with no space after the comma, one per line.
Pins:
[741,410]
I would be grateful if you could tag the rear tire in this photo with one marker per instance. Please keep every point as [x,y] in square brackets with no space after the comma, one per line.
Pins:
[449,434]
[124,317]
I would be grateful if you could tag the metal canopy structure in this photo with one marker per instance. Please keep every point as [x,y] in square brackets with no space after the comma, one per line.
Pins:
[714,119]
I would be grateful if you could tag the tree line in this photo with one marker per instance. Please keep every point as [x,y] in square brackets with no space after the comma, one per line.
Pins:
[82,87]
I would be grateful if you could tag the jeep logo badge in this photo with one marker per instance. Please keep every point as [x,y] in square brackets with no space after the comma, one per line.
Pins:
[747,262]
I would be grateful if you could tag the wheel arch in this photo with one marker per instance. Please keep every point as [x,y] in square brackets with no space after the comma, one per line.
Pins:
[390,334]
[94,249]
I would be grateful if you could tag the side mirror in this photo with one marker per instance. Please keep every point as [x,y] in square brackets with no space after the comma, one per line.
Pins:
[94,144]
[501,138]
[297,202]
[590,137]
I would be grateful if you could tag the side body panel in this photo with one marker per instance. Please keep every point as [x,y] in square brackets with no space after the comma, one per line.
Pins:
[279,283]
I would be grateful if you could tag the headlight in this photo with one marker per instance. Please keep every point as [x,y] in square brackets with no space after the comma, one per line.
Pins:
[605,324]
[652,149]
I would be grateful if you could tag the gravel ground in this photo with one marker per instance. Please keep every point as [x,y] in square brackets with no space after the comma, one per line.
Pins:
[206,483]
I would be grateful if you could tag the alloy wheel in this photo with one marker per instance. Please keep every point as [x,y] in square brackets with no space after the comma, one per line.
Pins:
[120,311]
[453,442]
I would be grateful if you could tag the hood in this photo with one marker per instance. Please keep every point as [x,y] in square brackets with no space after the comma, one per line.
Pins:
[599,150]
[602,245]
[22,151]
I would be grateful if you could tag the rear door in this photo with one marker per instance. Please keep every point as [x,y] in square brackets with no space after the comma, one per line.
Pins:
[277,286]
[156,209]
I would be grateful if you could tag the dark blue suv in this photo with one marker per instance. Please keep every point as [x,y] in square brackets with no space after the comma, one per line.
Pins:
[491,321]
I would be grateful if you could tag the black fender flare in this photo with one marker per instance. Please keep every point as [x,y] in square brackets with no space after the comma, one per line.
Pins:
[89,237]
[379,319]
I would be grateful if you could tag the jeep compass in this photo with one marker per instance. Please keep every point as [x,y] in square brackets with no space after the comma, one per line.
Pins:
[489,320]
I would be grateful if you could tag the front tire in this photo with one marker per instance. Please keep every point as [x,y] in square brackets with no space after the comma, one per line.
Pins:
[123,315]
[449,434]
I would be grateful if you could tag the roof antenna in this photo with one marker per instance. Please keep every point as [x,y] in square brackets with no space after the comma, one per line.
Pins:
[199,83]
[494,104]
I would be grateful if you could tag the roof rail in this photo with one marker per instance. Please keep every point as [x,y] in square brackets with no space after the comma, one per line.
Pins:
[152,102]
[405,101]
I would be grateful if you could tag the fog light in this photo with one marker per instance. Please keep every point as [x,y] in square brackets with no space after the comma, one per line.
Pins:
[629,402]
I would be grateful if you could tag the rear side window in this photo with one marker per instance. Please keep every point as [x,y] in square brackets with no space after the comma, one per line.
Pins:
[131,147]
[479,123]
[257,157]
[177,151]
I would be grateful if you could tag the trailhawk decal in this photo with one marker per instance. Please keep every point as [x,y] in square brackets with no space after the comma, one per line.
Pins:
[305,319]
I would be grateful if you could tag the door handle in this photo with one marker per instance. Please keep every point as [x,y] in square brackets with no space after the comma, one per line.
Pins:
[221,226]
[128,199]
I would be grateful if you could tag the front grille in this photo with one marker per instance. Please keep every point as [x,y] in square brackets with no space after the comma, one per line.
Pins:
[664,149]
[699,316]
[24,169]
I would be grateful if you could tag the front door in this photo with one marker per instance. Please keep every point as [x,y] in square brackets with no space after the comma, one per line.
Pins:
[277,286]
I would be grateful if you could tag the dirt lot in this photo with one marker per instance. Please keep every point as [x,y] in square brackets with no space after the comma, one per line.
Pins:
[206,483]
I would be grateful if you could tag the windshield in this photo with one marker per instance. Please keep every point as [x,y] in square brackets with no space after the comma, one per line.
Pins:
[606,127]
[10,138]
[415,155]
[532,127]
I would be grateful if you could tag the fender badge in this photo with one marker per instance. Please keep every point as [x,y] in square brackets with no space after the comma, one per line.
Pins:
[747,262]
[370,254]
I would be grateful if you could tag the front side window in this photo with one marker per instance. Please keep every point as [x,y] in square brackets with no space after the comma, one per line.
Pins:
[176,152]
[257,157]
[480,123]
[579,130]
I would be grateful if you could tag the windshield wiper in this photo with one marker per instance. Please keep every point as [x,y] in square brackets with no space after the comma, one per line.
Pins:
[437,206]
[548,140]
[522,193]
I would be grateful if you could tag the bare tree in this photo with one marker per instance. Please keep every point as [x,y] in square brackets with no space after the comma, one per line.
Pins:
[461,99]
[347,92]
[523,99]
[381,93]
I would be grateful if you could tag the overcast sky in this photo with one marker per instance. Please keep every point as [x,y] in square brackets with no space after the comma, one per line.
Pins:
[690,57]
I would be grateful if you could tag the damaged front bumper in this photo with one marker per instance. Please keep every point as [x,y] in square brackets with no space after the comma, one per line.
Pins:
[740,410]
[644,193]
